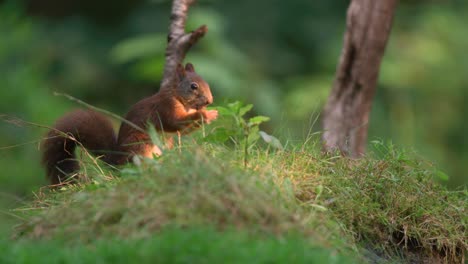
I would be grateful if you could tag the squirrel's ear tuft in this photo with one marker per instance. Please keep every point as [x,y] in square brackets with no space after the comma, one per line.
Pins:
[189,67]
[180,71]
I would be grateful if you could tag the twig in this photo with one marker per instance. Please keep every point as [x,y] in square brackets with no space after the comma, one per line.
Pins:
[178,42]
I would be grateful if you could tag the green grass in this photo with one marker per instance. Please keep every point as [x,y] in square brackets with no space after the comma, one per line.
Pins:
[174,245]
[279,205]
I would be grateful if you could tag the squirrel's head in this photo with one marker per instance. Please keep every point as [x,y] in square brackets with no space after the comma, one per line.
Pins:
[191,89]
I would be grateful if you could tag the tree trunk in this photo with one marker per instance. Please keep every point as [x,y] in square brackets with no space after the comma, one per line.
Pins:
[346,113]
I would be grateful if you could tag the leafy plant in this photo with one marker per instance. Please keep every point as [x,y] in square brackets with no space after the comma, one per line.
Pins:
[243,131]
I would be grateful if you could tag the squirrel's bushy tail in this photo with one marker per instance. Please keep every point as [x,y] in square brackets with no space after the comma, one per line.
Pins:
[91,129]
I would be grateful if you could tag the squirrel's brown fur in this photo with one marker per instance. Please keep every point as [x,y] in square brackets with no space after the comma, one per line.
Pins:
[178,109]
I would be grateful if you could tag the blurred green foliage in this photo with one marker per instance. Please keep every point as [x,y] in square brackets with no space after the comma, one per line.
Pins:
[278,55]
[421,102]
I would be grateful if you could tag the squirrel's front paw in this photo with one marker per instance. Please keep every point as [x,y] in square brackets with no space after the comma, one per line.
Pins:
[210,115]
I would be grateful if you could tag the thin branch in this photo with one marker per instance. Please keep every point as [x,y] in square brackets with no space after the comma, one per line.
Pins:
[178,42]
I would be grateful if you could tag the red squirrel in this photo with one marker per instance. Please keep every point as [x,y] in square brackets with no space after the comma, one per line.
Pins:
[181,109]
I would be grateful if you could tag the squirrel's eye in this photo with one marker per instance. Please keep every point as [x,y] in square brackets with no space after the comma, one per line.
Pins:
[194,86]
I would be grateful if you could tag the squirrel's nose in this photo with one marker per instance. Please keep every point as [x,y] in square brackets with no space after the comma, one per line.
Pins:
[209,100]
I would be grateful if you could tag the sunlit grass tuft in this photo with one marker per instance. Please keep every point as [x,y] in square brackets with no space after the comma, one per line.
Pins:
[386,208]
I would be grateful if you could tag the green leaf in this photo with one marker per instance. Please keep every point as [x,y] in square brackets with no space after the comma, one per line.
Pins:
[243,110]
[235,107]
[223,110]
[319,207]
[442,175]
[257,120]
